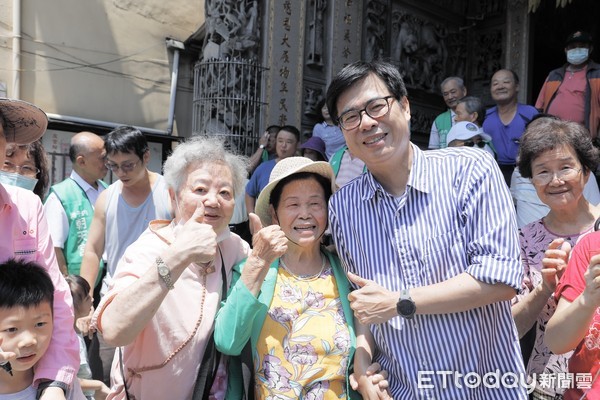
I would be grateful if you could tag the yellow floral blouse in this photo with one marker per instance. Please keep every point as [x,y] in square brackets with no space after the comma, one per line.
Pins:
[304,344]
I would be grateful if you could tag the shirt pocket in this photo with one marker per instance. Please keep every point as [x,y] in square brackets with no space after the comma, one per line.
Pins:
[444,255]
[25,249]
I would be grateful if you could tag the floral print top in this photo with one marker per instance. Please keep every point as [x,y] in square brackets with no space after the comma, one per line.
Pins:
[302,351]
[546,366]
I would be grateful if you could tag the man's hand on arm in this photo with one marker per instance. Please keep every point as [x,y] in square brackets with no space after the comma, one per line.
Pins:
[374,304]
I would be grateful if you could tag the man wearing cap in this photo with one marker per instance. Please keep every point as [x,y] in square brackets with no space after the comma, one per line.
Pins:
[453,89]
[468,134]
[25,236]
[572,92]
[314,148]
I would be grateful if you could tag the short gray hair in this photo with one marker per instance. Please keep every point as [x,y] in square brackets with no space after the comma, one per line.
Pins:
[204,150]
[459,81]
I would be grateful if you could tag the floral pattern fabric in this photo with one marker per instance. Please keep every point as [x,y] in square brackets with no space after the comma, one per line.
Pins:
[534,239]
[303,348]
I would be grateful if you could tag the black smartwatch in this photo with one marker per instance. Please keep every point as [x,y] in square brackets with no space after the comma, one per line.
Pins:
[46,384]
[406,306]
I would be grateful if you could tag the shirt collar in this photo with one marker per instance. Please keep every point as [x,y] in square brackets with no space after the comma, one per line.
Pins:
[5,200]
[417,178]
[81,182]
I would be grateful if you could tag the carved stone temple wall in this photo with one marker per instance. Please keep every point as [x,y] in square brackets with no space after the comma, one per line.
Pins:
[283,53]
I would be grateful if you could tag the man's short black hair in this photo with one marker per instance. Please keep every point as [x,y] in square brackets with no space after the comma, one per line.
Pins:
[25,284]
[126,139]
[359,70]
[291,129]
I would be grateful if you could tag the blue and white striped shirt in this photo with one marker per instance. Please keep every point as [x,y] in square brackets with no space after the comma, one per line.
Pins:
[455,216]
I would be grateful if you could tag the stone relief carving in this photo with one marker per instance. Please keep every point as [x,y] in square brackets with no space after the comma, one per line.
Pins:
[232,29]
[312,97]
[487,52]
[316,32]
[375,28]
[419,50]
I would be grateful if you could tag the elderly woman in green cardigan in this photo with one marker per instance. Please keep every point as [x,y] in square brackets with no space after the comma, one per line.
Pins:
[287,320]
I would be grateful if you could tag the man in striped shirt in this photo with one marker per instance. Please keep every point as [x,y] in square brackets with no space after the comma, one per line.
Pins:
[430,241]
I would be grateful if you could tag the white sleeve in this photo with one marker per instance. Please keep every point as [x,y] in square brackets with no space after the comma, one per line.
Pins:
[590,191]
[58,224]
[434,137]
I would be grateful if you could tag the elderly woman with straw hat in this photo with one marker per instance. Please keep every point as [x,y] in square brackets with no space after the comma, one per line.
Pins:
[288,305]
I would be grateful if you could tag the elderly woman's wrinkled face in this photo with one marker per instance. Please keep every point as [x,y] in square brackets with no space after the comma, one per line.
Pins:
[302,211]
[211,185]
[558,177]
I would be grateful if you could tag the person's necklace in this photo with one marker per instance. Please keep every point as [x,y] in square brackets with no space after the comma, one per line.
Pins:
[304,277]
[571,70]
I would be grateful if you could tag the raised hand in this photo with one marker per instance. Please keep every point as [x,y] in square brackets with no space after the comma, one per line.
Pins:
[591,294]
[555,262]
[268,243]
[196,241]
[6,356]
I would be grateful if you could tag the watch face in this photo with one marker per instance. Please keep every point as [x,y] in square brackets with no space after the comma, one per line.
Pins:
[406,307]
[163,271]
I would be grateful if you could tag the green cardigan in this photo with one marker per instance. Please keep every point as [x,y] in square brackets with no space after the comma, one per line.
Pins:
[242,315]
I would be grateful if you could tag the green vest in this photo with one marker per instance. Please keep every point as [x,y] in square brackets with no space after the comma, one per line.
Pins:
[336,160]
[79,212]
[443,123]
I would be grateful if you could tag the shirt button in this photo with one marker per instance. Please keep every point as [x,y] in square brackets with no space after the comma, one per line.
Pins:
[210,270]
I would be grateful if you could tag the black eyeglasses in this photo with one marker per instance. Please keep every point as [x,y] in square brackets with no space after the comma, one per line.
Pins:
[470,143]
[375,108]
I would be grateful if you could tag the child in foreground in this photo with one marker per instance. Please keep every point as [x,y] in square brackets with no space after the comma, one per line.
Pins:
[26,297]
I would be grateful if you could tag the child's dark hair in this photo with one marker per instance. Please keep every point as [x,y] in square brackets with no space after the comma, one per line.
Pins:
[79,288]
[25,284]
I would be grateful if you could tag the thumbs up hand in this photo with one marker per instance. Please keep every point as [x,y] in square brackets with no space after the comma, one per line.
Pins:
[196,242]
[268,244]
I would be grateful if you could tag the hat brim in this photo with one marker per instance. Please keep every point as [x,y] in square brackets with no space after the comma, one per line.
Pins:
[23,122]
[262,206]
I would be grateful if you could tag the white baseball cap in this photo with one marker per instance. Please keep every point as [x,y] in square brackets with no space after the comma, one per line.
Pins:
[465,130]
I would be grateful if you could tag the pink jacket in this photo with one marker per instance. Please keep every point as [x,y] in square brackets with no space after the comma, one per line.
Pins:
[24,234]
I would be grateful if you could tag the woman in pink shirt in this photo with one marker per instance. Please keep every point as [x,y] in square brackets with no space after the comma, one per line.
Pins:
[161,305]
[24,234]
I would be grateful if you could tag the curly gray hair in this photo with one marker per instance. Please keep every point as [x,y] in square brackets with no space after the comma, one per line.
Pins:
[203,150]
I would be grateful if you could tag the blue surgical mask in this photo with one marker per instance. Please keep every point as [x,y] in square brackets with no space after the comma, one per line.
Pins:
[578,55]
[14,179]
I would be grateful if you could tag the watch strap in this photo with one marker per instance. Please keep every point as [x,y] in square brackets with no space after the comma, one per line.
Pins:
[166,277]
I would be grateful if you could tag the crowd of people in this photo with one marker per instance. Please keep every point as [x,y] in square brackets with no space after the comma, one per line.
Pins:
[367,268]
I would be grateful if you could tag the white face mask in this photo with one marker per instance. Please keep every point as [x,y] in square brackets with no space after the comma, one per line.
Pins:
[14,179]
[577,55]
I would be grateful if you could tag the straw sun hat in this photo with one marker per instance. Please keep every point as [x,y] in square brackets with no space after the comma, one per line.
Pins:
[283,169]
[23,122]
